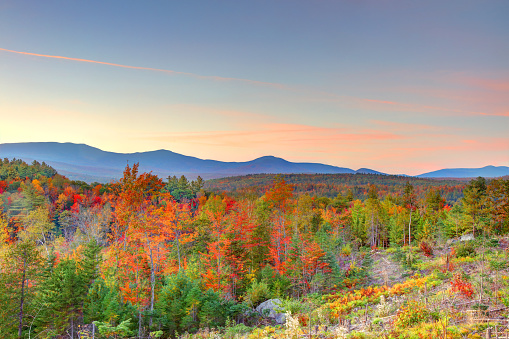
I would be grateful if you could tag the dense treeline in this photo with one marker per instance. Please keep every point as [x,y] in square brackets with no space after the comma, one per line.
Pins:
[330,185]
[16,168]
[142,256]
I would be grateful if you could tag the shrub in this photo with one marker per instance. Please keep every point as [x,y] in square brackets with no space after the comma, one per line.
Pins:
[410,315]
[294,306]
[236,330]
[493,242]
[464,288]
[346,250]
[465,250]
[257,293]
[410,260]
[426,249]
[384,308]
[122,330]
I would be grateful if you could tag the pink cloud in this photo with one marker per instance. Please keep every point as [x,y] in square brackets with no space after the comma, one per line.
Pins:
[487,84]
[503,114]
[294,135]
[405,127]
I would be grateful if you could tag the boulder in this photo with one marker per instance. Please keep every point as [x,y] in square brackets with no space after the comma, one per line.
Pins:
[467,237]
[271,309]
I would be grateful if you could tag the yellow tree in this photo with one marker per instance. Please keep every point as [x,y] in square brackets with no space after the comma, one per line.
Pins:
[37,227]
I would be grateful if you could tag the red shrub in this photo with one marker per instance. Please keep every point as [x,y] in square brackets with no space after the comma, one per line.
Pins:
[426,249]
[464,288]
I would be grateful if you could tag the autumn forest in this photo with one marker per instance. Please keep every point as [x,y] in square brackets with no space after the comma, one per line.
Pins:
[150,257]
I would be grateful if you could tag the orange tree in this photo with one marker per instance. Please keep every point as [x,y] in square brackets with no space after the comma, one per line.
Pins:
[217,269]
[279,200]
[176,223]
[138,245]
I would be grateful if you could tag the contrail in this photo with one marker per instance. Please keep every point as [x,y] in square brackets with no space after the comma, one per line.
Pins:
[257,83]
[208,77]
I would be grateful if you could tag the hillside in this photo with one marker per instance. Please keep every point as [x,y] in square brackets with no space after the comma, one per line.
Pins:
[330,185]
[151,259]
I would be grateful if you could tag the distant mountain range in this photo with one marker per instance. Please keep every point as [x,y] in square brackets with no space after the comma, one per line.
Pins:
[487,172]
[83,162]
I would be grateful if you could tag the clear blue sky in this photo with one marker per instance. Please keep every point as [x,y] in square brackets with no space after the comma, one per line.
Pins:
[398,86]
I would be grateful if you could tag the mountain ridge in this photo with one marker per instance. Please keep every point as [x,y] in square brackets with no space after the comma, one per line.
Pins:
[487,171]
[77,161]
[88,163]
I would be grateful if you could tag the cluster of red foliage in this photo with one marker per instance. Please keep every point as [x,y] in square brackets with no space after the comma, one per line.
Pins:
[463,287]
[426,249]
[3,186]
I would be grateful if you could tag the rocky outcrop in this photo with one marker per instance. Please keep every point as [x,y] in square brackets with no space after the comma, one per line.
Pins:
[272,310]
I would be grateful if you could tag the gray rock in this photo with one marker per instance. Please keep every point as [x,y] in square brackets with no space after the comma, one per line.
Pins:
[467,237]
[451,241]
[271,309]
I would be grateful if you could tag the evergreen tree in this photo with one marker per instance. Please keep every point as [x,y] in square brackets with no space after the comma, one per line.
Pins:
[474,201]
[20,273]
[62,295]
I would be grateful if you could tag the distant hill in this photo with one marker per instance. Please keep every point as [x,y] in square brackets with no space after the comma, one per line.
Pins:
[367,171]
[330,185]
[487,172]
[83,162]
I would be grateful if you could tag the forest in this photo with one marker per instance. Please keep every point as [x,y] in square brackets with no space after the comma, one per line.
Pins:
[351,256]
[330,185]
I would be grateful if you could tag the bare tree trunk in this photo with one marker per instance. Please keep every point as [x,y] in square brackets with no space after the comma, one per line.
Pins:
[409,228]
[404,235]
[178,246]
[22,300]
[482,274]
[139,322]
[372,229]
[282,223]
[152,280]
[139,305]
[45,246]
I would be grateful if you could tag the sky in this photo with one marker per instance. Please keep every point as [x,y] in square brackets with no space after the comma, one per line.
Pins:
[396,86]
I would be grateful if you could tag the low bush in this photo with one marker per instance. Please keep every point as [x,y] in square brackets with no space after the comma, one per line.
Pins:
[426,248]
[257,293]
[410,315]
[465,250]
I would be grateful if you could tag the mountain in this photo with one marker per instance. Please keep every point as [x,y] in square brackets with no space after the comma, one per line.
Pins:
[487,172]
[83,162]
[367,171]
